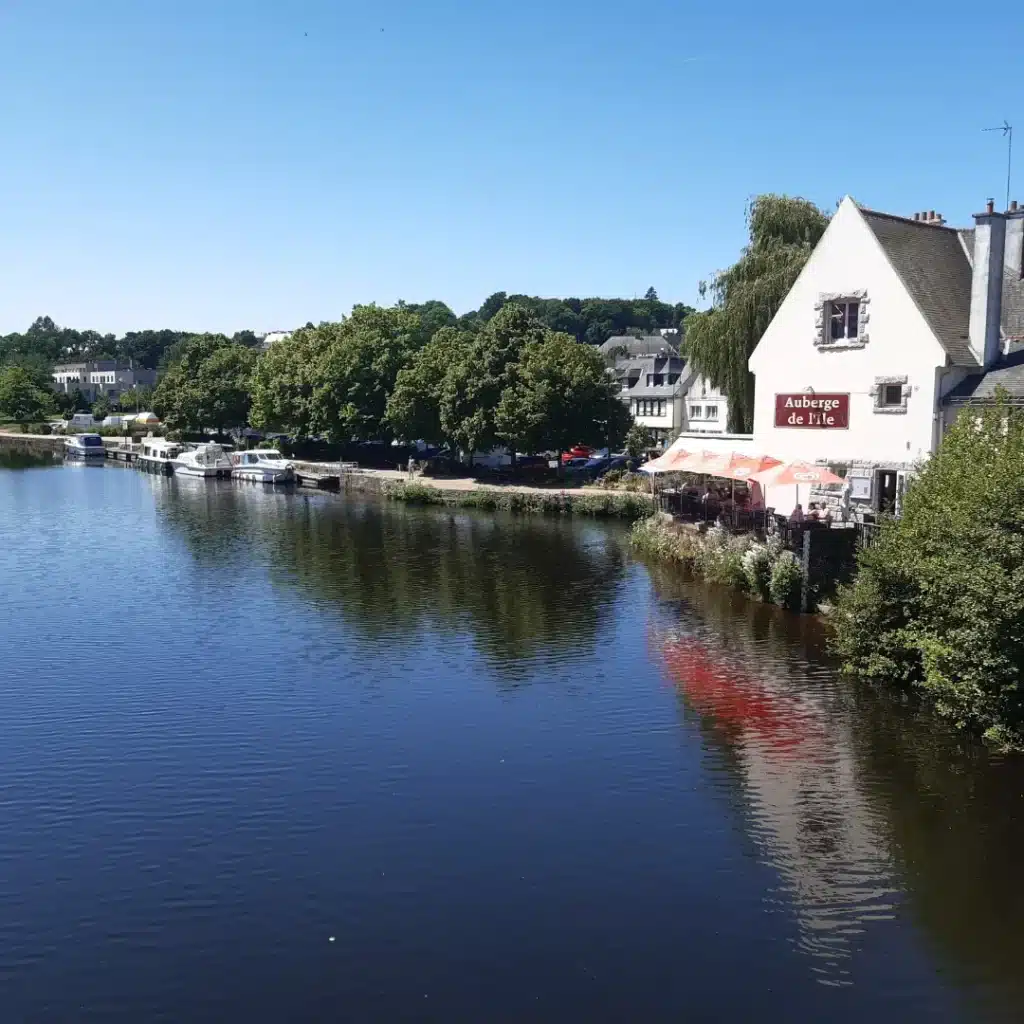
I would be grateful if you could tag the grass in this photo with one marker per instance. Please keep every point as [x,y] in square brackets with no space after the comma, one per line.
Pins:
[493,499]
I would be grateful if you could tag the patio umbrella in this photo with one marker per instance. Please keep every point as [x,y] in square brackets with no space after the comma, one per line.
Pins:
[707,462]
[667,462]
[794,474]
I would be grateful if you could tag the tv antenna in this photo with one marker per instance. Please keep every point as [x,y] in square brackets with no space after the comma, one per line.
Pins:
[1007,129]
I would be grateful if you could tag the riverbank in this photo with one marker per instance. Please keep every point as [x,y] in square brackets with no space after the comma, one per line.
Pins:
[764,571]
[466,492]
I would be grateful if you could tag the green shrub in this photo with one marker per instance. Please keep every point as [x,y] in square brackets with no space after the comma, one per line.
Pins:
[939,597]
[786,581]
[757,571]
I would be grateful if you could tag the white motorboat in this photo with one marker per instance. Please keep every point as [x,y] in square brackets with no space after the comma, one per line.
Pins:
[85,446]
[206,460]
[157,454]
[264,465]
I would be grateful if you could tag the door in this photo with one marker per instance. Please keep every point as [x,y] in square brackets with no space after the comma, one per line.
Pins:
[887,490]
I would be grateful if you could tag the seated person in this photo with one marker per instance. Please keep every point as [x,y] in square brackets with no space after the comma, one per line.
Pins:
[797,515]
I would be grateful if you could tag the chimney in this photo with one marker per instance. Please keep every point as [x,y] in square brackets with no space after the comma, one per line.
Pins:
[1013,206]
[917,216]
[987,284]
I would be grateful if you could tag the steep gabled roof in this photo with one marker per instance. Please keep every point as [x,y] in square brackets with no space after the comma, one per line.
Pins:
[931,262]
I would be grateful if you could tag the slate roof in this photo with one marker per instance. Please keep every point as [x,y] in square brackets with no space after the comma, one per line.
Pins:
[648,345]
[931,262]
[981,387]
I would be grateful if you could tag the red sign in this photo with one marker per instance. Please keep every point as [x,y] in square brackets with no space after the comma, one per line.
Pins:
[808,409]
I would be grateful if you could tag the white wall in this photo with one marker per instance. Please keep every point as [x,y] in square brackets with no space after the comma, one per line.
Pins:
[848,259]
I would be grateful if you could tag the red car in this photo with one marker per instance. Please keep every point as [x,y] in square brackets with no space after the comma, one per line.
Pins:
[580,451]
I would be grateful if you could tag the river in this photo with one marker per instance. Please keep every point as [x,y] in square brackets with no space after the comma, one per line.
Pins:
[284,756]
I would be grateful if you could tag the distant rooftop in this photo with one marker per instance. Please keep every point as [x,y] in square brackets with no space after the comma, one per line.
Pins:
[646,345]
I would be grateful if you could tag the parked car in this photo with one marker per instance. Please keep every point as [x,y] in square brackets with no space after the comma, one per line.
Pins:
[580,451]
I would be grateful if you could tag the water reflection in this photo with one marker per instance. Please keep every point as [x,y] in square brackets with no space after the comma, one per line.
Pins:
[13,458]
[519,586]
[868,811]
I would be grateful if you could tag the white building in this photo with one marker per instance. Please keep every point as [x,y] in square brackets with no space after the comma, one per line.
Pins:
[705,408]
[272,337]
[893,323]
[102,377]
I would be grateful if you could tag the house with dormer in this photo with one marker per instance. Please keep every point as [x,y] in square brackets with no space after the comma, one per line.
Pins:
[893,326]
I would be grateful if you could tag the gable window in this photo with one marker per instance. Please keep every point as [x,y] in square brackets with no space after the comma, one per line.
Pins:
[841,320]
[711,412]
[673,378]
[695,412]
[844,320]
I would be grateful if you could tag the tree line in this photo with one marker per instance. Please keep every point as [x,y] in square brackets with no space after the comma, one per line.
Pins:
[385,373]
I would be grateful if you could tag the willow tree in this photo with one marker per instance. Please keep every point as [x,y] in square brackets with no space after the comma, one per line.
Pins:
[783,232]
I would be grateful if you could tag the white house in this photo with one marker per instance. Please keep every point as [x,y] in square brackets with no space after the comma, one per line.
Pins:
[100,377]
[892,324]
[704,407]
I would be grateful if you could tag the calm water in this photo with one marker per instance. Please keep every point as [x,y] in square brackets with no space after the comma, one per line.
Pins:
[515,777]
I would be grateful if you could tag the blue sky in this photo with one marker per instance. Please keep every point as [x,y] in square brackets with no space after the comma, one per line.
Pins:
[215,165]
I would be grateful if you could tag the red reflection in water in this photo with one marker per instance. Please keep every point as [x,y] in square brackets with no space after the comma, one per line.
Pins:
[746,707]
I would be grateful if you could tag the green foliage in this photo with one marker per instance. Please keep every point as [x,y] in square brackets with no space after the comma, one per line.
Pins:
[764,571]
[592,320]
[137,399]
[560,395]
[414,406]
[783,232]
[22,399]
[335,379]
[786,581]
[101,407]
[939,598]
[492,499]
[638,440]
[208,384]
[757,568]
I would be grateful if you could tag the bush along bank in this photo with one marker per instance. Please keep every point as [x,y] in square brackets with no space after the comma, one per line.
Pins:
[938,602]
[767,572]
[493,499]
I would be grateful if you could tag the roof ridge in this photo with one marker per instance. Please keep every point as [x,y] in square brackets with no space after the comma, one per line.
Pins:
[910,220]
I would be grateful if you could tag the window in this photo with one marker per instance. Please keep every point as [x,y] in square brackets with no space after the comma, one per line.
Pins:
[711,412]
[844,320]
[841,319]
[892,394]
[650,378]
[673,378]
[659,379]
[695,411]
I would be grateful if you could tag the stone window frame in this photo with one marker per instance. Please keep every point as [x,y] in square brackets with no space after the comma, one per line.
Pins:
[878,391]
[823,340]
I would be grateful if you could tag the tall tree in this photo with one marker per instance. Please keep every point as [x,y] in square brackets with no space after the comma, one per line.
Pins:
[783,232]
[21,398]
[208,384]
[561,395]
[474,385]
[414,406]
[335,379]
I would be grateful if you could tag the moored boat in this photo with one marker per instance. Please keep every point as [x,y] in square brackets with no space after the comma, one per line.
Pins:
[205,460]
[264,465]
[85,446]
[157,455]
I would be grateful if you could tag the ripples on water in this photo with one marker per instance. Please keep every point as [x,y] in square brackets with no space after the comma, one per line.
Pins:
[515,776]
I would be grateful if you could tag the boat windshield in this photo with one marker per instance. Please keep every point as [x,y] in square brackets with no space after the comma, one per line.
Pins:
[92,441]
[269,454]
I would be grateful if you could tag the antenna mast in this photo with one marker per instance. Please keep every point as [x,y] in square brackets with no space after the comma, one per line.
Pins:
[1007,129]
